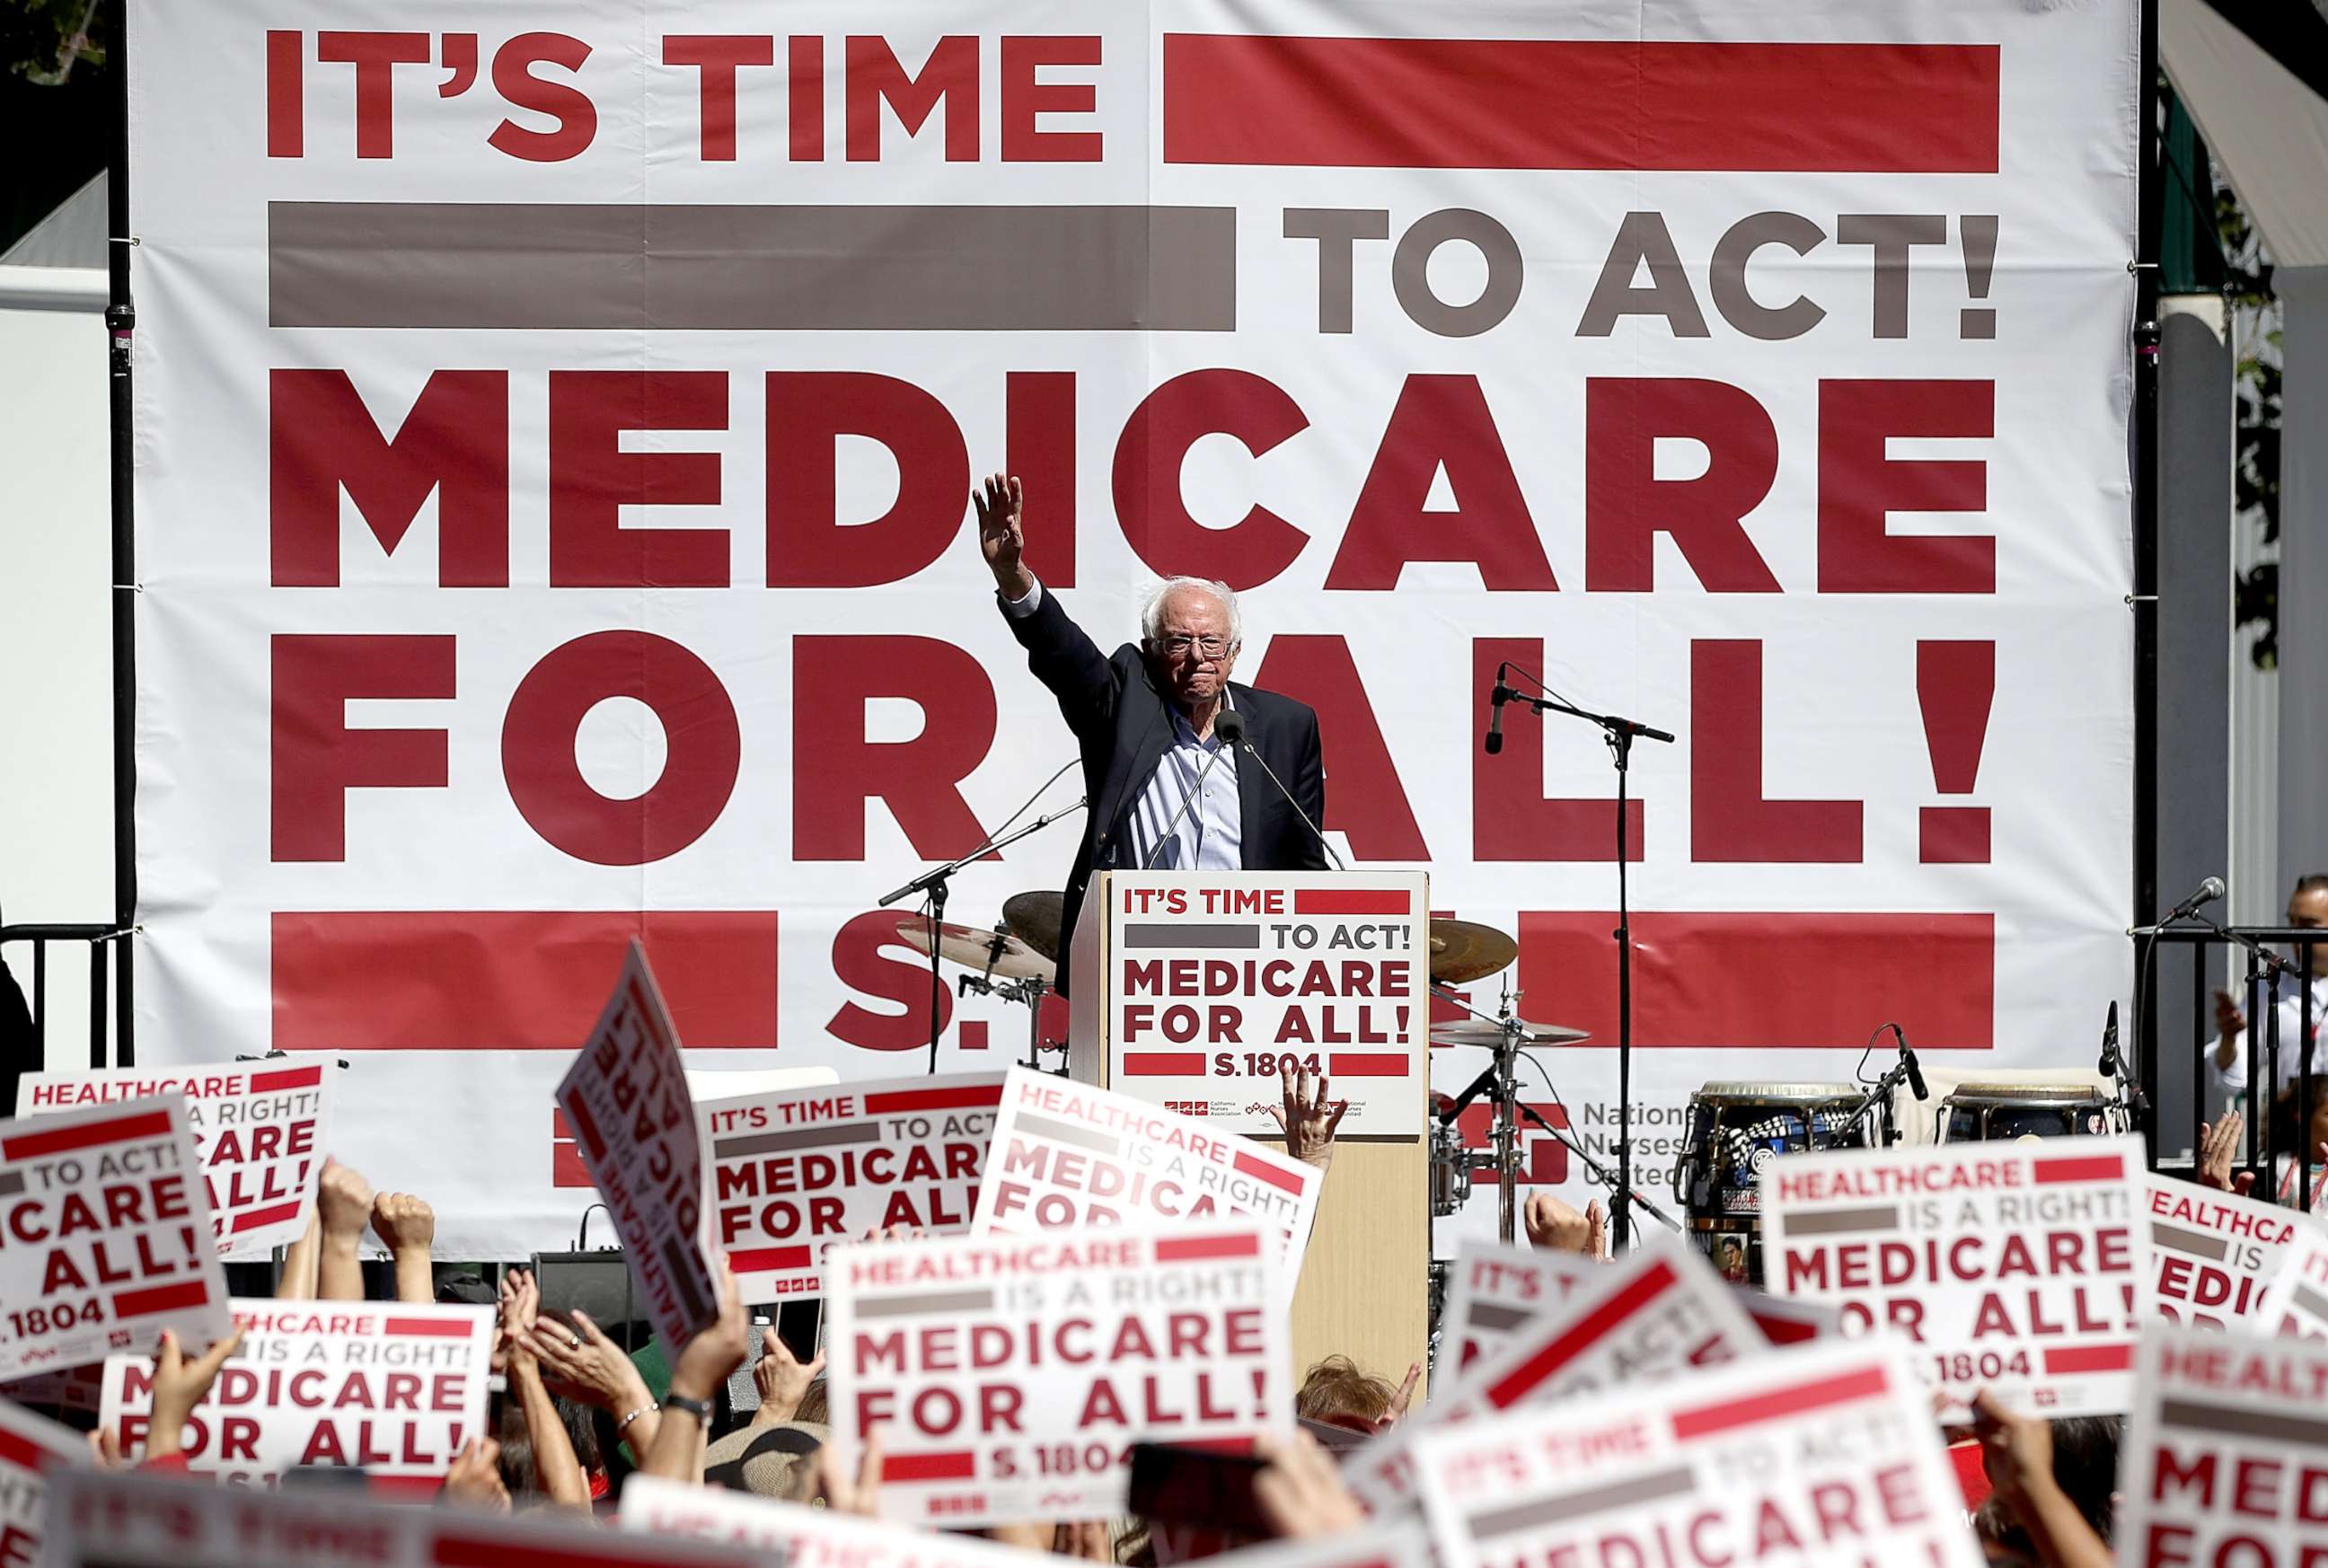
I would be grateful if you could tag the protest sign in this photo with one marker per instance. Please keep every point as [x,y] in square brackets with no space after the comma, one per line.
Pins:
[1009,1376]
[109,1236]
[2212,1254]
[1659,1310]
[805,1538]
[32,1448]
[2295,1302]
[627,1096]
[1220,985]
[67,1388]
[393,1388]
[2225,1457]
[261,1130]
[2017,1267]
[791,1172]
[1825,1453]
[1785,1320]
[1066,1155]
[1493,1291]
[129,1519]
[1403,1545]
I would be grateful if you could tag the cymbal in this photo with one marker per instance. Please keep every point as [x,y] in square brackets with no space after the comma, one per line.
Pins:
[1036,919]
[1479,1032]
[1462,950]
[987,951]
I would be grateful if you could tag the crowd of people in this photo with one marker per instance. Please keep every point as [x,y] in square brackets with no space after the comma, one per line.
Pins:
[575,1415]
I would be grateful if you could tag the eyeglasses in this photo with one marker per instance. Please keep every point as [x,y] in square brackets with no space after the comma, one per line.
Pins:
[1210,647]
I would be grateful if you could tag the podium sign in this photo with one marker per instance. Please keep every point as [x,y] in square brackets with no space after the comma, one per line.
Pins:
[1205,989]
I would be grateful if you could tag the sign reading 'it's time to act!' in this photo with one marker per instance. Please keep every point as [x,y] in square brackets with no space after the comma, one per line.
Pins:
[1216,987]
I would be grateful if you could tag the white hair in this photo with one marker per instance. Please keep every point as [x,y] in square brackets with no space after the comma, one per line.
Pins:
[1151,609]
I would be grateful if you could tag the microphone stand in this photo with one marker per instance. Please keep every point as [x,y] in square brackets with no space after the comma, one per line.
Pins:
[1619,733]
[1496,1080]
[932,884]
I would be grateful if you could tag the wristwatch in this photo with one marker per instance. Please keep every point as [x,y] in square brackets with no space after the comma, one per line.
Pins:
[698,1408]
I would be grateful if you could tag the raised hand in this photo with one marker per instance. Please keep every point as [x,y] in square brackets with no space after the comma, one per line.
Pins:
[1554,1226]
[1001,538]
[180,1384]
[475,1478]
[1309,1118]
[1300,1491]
[2219,1148]
[783,1380]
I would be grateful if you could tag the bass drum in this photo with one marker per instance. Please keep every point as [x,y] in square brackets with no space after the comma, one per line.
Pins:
[2006,1112]
[1736,1129]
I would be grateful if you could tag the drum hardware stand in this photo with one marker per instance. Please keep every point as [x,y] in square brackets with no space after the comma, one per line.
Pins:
[1620,734]
[932,885]
[1497,1082]
[1031,991]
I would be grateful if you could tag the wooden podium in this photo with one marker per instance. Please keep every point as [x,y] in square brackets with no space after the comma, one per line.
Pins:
[1193,990]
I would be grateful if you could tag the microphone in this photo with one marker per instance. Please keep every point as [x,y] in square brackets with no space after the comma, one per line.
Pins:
[2209,891]
[1231,726]
[2107,1065]
[1503,694]
[1908,1061]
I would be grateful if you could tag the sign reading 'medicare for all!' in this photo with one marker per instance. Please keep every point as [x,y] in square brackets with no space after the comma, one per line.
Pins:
[1007,1377]
[793,1172]
[2019,1267]
[1066,1155]
[2212,1254]
[261,1129]
[803,1537]
[627,1096]
[393,1388]
[2225,1456]
[2295,1302]
[1221,984]
[1822,1454]
[107,1235]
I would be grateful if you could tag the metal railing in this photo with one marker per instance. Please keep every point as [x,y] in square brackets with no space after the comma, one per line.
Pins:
[98,939]
[2277,1132]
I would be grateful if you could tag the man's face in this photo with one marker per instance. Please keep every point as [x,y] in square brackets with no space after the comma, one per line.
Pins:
[1192,655]
[2309,911]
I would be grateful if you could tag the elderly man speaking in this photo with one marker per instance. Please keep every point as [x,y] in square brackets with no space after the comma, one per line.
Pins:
[1167,790]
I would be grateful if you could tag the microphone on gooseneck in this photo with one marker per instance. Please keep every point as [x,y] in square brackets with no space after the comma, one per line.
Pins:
[2107,1065]
[1231,727]
[1907,1060]
[1230,734]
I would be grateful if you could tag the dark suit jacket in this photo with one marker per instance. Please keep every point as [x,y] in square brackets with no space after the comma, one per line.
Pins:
[1123,724]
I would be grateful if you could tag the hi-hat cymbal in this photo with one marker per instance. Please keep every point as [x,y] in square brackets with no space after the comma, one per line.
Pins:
[1036,919]
[1462,950]
[995,953]
[1480,1032]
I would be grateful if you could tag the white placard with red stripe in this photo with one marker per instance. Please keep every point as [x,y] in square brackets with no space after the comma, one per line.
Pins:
[108,1233]
[262,1129]
[2224,1458]
[634,1124]
[804,1537]
[1822,1454]
[1789,1320]
[138,1519]
[391,1388]
[72,1388]
[1007,1377]
[1066,1155]
[1659,1312]
[2020,1267]
[33,1448]
[1220,984]
[1494,1291]
[2212,1254]
[789,1173]
[2295,1302]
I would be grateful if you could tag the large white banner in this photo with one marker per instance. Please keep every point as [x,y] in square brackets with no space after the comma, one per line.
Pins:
[553,443]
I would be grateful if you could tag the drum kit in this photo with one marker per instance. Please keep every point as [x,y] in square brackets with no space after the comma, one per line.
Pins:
[1017,960]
